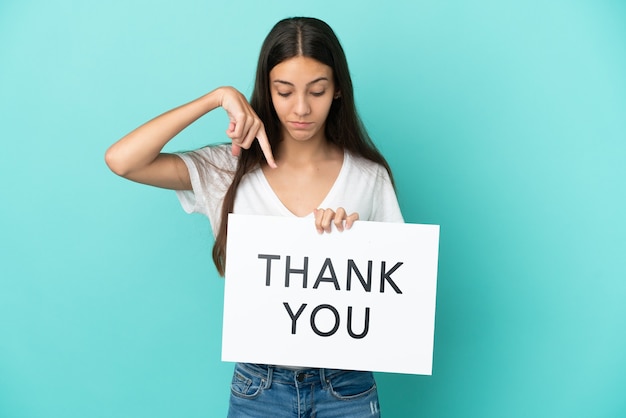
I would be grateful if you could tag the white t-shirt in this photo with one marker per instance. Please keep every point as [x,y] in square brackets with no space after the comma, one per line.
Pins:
[362,186]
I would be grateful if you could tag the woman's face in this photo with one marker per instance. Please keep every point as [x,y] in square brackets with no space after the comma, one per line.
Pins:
[302,90]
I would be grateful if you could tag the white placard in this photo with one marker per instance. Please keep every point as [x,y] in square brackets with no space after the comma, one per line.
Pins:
[362,299]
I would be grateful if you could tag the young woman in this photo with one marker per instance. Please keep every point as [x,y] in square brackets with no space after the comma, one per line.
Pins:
[297,149]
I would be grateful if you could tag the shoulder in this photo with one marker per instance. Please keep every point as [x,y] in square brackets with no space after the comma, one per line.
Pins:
[363,165]
[372,182]
[211,156]
[219,153]
[365,171]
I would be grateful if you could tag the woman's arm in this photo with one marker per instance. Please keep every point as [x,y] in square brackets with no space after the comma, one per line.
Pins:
[138,157]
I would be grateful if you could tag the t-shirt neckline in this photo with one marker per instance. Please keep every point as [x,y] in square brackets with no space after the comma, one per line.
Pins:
[323,204]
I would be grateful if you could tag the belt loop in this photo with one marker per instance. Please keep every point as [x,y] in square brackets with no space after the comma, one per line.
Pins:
[323,380]
[269,377]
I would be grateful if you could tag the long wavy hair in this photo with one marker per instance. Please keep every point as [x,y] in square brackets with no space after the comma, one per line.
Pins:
[289,38]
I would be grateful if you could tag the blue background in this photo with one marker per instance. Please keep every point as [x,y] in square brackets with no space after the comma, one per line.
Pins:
[504,122]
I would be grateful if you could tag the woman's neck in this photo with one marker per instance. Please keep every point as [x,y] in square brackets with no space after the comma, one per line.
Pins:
[306,172]
[305,152]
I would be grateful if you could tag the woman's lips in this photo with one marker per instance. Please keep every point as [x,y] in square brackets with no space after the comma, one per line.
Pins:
[300,125]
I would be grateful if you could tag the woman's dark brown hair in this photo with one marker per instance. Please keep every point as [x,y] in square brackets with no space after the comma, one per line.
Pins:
[289,38]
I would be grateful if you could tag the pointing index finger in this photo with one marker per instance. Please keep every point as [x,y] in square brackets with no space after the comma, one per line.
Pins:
[265,147]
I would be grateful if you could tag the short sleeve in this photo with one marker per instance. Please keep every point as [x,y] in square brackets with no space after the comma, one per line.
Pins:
[385,201]
[211,171]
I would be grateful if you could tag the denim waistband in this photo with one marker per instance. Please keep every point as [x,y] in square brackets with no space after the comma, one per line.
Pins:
[285,375]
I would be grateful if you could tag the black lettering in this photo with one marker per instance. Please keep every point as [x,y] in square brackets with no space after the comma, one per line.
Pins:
[293,317]
[352,267]
[386,276]
[268,267]
[304,271]
[314,327]
[366,327]
[333,277]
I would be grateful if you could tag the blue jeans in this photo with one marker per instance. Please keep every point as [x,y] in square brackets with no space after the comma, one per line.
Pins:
[261,391]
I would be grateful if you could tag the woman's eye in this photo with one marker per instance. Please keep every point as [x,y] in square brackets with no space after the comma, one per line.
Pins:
[284,94]
[318,93]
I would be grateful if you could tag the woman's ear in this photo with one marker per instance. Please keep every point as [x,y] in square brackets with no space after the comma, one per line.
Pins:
[337,94]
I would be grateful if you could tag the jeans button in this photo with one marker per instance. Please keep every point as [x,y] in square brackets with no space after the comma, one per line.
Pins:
[300,377]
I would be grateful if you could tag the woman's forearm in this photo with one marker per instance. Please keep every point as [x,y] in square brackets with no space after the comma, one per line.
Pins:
[142,146]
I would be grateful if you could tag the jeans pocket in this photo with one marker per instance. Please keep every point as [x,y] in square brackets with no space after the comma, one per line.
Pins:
[348,385]
[246,385]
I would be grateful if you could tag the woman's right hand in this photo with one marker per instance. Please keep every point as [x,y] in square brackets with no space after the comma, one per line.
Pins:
[245,125]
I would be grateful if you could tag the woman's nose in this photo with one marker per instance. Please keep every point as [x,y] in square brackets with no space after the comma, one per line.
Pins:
[302,106]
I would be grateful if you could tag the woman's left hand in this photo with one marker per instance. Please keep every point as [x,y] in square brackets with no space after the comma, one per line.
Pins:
[324,218]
